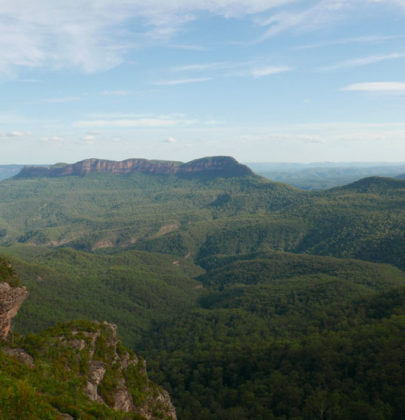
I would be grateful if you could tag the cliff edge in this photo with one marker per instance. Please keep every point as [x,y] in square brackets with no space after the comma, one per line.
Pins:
[77,369]
[11,299]
[12,296]
[216,166]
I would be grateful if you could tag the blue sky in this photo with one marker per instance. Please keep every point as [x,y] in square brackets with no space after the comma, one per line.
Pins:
[261,80]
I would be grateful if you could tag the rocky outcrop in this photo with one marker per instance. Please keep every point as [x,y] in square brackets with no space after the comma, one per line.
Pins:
[97,371]
[222,166]
[88,353]
[109,363]
[11,299]
[20,355]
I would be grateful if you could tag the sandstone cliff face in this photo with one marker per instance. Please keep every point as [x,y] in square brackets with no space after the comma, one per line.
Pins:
[213,166]
[90,354]
[11,299]
[87,353]
[107,358]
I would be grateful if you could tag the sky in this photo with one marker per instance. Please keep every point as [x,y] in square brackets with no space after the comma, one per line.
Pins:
[259,80]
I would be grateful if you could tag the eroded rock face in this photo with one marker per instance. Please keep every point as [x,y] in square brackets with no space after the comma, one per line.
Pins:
[102,348]
[11,299]
[223,166]
[21,355]
[97,370]
[113,375]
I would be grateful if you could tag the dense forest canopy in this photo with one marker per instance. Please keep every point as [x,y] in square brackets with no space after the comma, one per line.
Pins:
[248,298]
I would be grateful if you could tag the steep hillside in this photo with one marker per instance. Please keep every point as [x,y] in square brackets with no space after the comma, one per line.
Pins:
[77,370]
[74,370]
[378,185]
[280,335]
[12,295]
[131,289]
[195,273]
[202,215]
[241,340]
[103,210]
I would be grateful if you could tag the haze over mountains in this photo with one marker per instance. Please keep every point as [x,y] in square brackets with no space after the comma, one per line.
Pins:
[324,175]
[208,206]
[216,166]
[239,291]
[311,176]
[248,298]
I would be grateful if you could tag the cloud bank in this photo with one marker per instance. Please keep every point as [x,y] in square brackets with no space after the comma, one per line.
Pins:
[96,35]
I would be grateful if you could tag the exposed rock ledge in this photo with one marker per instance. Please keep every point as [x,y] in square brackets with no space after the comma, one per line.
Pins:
[113,375]
[98,344]
[11,299]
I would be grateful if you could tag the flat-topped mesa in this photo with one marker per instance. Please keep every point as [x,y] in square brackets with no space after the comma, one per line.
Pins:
[222,166]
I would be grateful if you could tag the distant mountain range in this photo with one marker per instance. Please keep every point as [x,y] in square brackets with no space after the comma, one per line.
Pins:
[249,298]
[223,166]
[7,171]
[204,207]
[311,176]
[324,175]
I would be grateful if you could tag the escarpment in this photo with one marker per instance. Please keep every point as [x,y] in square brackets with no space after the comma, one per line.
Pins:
[11,297]
[113,375]
[221,166]
[92,374]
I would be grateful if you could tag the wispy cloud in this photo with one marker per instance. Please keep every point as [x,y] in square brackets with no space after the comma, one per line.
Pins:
[320,14]
[147,122]
[382,87]
[310,17]
[284,137]
[61,100]
[362,61]
[116,92]
[89,139]
[372,39]
[16,134]
[158,121]
[53,139]
[189,47]
[182,81]
[252,68]
[96,37]
[269,70]
[204,66]
[30,80]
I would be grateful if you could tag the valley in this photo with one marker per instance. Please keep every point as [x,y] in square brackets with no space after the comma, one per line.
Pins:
[248,298]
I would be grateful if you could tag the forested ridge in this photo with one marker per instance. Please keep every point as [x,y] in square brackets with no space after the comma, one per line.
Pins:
[248,298]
